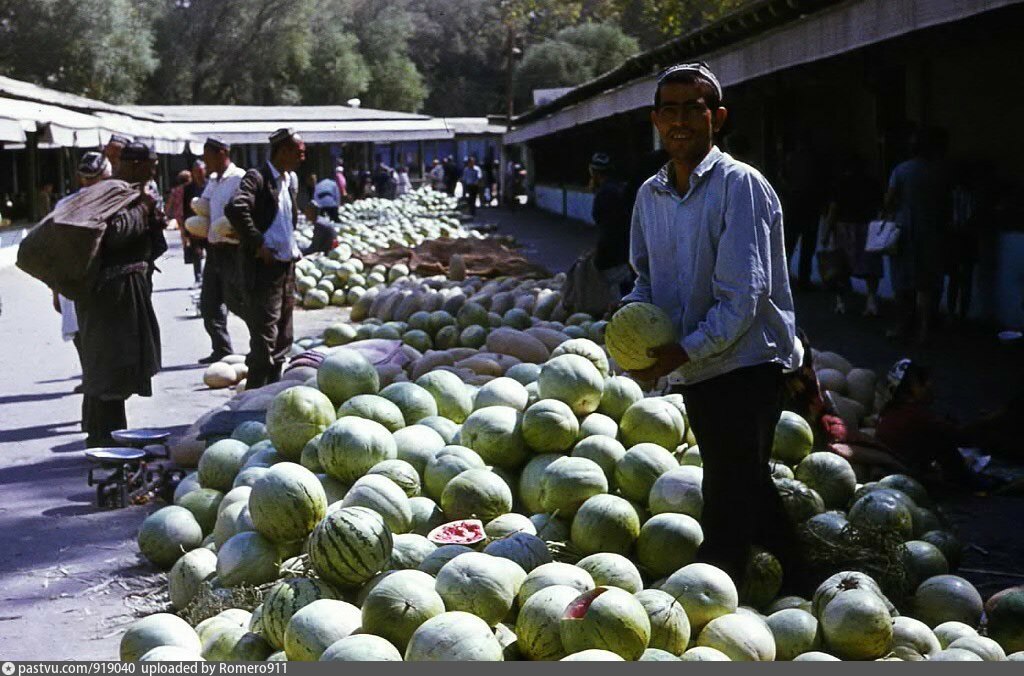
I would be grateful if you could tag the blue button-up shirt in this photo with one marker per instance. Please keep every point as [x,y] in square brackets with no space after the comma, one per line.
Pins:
[280,236]
[714,259]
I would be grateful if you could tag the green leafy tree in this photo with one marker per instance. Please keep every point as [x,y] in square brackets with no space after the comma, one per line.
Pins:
[384,31]
[97,48]
[605,43]
[337,70]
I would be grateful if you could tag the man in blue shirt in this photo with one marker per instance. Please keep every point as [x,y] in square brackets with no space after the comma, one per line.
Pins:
[708,248]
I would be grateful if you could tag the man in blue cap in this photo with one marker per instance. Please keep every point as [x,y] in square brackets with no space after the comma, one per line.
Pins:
[708,248]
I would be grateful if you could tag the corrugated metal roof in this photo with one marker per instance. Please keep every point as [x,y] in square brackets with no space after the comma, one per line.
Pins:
[218,114]
[17,89]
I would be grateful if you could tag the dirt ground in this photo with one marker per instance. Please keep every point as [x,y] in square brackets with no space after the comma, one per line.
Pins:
[70,575]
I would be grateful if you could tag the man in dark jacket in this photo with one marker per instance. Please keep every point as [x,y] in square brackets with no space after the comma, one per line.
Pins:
[612,213]
[263,212]
[117,325]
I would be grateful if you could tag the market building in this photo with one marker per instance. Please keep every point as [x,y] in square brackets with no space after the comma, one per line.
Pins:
[849,78]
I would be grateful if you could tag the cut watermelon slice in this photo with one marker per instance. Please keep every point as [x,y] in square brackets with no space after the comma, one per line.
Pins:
[581,604]
[463,532]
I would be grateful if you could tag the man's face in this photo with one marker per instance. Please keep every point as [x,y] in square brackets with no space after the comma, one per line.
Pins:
[215,159]
[684,121]
[199,172]
[113,153]
[293,154]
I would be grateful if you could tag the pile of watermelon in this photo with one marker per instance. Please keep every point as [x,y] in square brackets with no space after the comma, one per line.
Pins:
[550,511]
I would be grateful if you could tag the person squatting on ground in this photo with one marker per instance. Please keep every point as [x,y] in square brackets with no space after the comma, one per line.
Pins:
[222,288]
[263,212]
[117,325]
[611,214]
[324,233]
[708,247]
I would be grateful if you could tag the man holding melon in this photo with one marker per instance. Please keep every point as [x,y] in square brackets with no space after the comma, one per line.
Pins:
[708,248]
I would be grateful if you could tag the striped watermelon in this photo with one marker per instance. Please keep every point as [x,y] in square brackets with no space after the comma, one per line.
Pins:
[287,502]
[634,329]
[285,599]
[350,546]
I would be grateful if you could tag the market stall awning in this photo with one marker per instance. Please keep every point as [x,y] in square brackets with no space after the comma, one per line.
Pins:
[56,126]
[11,131]
[326,131]
[805,38]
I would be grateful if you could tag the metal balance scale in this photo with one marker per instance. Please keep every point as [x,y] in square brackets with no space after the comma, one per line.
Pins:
[134,468]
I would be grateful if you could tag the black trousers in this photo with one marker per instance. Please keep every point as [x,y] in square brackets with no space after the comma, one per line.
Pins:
[801,223]
[733,417]
[101,417]
[213,297]
[269,319]
[472,193]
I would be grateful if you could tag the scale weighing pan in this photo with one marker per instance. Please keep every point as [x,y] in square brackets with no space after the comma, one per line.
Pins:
[142,436]
[114,455]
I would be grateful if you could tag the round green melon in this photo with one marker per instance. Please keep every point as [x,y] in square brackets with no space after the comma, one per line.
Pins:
[376,408]
[480,584]
[188,574]
[550,527]
[167,534]
[947,632]
[287,502]
[417,444]
[351,446]
[478,494]
[204,504]
[704,654]
[923,560]
[913,636]
[236,644]
[524,373]
[415,402]
[443,426]
[526,550]
[453,397]
[509,524]
[587,349]
[349,546]
[383,496]
[634,329]
[345,373]
[705,591]
[399,604]
[982,646]
[815,656]
[285,599]
[454,636]
[947,543]
[473,336]
[447,464]
[540,614]
[793,439]
[187,485]
[550,426]
[881,511]
[908,485]
[657,655]
[262,454]
[502,392]
[640,467]
[156,631]
[619,394]
[1004,614]
[401,472]
[310,456]
[841,582]
[678,491]
[605,523]
[317,626]
[440,556]
[220,463]
[361,648]
[830,475]
[426,515]
[605,451]
[168,653]
[612,570]
[856,625]
[742,638]
[670,627]
[250,432]
[554,574]
[295,416]
[762,579]
[606,618]
[409,551]
[795,632]
[954,655]
[668,542]
[232,520]
[247,559]
[530,493]
[598,425]
[495,433]
[593,655]
[339,334]
[799,500]
[573,380]
[568,482]
[653,421]
[946,598]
